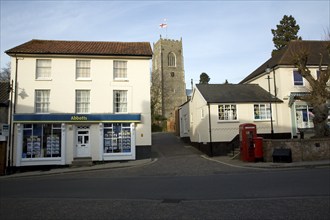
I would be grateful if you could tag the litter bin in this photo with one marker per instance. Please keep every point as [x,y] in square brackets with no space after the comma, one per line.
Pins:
[282,155]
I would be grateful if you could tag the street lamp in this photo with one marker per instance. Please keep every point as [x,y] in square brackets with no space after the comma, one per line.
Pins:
[270,105]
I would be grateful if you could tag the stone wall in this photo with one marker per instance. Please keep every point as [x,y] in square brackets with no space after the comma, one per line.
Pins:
[302,149]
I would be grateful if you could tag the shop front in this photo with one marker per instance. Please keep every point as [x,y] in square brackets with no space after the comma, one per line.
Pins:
[57,139]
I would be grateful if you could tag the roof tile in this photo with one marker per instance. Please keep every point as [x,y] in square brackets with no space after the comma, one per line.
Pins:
[102,48]
[235,93]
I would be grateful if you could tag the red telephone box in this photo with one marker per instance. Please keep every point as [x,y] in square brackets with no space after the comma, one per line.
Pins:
[247,132]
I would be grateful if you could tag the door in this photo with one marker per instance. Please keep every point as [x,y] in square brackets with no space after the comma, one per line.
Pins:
[83,145]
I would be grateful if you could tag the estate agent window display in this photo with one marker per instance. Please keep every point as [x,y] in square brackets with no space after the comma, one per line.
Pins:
[117,138]
[41,140]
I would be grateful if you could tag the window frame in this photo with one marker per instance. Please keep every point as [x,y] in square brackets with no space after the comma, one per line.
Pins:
[305,113]
[41,141]
[171,59]
[297,83]
[223,115]
[82,67]
[117,106]
[81,104]
[40,67]
[116,75]
[117,138]
[266,110]
[42,106]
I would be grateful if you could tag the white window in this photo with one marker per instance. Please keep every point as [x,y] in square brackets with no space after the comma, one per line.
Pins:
[120,101]
[82,101]
[120,69]
[304,116]
[83,69]
[42,101]
[262,111]
[297,78]
[227,112]
[43,69]
[171,59]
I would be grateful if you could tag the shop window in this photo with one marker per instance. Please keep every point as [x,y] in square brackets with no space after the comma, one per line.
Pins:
[41,140]
[117,138]
[262,112]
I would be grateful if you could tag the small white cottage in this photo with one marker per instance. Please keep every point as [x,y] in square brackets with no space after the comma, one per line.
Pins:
[212,117]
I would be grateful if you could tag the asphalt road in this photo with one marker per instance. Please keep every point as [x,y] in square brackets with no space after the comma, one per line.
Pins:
[179,185]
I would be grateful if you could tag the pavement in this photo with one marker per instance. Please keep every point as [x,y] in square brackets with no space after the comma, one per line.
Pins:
[225,160]
[267,165]
[102,166]
[167,145]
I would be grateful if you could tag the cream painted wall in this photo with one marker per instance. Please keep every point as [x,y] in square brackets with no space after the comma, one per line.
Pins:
[284,86]
[226,131]
[63,83]
[198,124]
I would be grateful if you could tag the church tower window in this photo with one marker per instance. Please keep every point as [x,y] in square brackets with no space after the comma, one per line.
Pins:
[171,59]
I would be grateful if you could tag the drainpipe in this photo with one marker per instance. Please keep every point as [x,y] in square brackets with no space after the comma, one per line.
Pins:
[12,112]
[275,90]
[10,128]
[210,131]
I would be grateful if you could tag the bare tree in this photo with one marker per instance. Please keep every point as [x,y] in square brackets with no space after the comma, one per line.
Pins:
[319,93]
[5,73]
[157,117]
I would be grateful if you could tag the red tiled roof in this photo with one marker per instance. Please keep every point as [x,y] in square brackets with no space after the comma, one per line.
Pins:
[101,48]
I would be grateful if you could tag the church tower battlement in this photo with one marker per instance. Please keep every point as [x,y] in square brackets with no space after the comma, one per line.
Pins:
[168,79]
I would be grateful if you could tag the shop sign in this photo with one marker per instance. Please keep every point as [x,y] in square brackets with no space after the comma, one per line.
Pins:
[79,118]
[28,118]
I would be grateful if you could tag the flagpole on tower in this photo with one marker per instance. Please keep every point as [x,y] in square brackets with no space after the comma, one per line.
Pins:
[164,25]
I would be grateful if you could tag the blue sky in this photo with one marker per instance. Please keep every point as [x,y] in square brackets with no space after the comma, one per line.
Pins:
[225,39]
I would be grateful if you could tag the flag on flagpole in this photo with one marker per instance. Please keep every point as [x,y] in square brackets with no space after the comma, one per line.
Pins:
[163,25]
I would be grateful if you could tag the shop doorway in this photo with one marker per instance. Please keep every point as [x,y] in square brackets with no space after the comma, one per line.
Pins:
[83,142]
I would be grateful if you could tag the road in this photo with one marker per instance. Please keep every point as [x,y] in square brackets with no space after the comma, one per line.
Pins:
[179,185]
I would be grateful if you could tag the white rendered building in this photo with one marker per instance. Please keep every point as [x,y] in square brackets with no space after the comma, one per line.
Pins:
[78,99]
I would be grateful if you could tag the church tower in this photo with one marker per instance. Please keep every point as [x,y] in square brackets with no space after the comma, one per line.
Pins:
[168,81]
